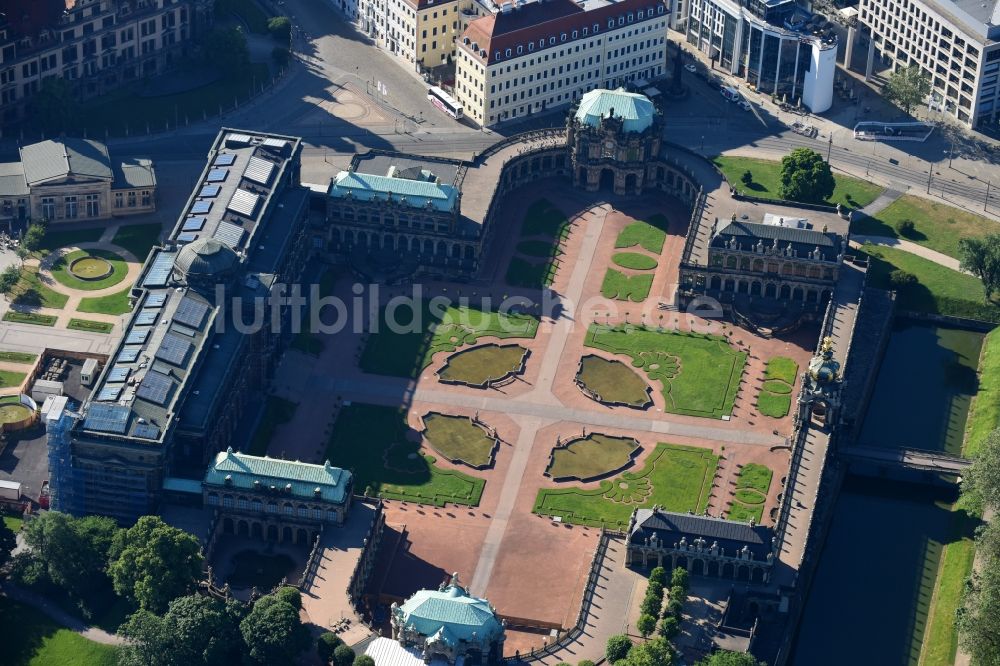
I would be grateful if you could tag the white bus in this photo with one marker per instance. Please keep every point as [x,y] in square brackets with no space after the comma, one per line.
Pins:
[445,102]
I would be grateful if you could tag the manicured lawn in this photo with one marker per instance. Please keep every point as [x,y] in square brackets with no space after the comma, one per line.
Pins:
[112,304]
[459,440]
[700,374]
[409,349]
[90,325]
[537,259]
[31,290]
[9,378]
[634,260]
[29,638]
[530,274]
[622,287]
[125,110]
[648,235]
[538,248]
[13,522]
[17,357]
[544,219]
[938,289]
[613,381]
[54,239]
[775,398]
[984,416]
[591,457]
[679,478]
[480,365]
[253,569]
[852,192]
[390,465]
[276,412]
[30,318]
[61,270]
[755,477]
[138,239]
[935,225]
[752,485]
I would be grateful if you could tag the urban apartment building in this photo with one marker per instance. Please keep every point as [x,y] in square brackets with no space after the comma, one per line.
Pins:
[96,45]
[526,57]
[776,45]
[421,32]
[956,43]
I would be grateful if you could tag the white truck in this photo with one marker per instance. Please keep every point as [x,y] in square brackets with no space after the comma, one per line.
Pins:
[10,490]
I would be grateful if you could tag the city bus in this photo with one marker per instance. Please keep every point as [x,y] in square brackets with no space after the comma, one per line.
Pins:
[445,102]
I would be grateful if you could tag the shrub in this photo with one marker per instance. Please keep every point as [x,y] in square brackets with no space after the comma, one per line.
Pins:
[900,278]
[658,575]
[905,227]
[327,643]
[679,593]
[646,624]
[343,655]
[8,278]
[364,660]
[617,648]
[655,589]
[674,607]
[747,177]
[280,28]
[651,606]
[679,577]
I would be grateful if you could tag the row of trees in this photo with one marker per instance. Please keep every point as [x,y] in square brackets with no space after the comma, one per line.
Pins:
[978,618]
[981,257]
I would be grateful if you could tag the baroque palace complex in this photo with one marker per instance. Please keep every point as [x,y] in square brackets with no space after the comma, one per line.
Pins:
[160,426]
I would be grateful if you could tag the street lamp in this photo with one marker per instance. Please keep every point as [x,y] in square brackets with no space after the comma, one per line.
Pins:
[829,148]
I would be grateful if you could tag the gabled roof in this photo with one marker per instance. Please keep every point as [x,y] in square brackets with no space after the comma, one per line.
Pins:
[417,193]
[12,183]
[256,472]
[635,110]
[671,527]
[803,240]
[134,173]
[450,615]
[50,160]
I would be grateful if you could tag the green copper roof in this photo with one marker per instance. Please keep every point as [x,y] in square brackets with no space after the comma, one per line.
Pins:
[636,110]
[413,192]
[242,471]
[450,615]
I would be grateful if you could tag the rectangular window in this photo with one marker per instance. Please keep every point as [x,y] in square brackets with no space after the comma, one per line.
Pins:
[70,205]
[119,200]
[49,208]
[131,199]
[147,198]
[93,205]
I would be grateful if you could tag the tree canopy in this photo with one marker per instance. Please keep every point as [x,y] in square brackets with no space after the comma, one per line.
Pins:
[728,658]
[8,541]
[72,553]
[8,278]
[153,563]
[194,630]
[226,48]
[617,648]
[805,177]
[273,632]
[981,257]
[280,28]
[907,87]
[53,108]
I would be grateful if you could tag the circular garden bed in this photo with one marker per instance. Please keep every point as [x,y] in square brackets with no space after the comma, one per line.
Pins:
[484,365]
[89,269]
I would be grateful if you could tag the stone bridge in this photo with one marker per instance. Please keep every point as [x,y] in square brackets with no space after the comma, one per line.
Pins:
[910,459]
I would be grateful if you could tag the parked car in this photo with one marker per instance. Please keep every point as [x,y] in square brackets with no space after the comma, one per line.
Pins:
[745,104]
[691,68]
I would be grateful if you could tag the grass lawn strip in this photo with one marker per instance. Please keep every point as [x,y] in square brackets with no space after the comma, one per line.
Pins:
[530,274]
[984,415]
[30,638]
[613,381]
[90,325]
[634,261]
[30,318]
[938,290]
[774,405]
[752,486]
[138,239]
[112,304]
[756,477]
[783,368]
[538,248]
[61,270]
[849,191]
[392,466]
[622,287]
[10,378]
[936,225]
[459,440]
[276,412]
[648,235]
[591,457]
[17,357]
[478,366]
[544,219]
[406,354]
[677,477]
[30,290]
[742,513]
[704,380]
[774,398]
[54,240]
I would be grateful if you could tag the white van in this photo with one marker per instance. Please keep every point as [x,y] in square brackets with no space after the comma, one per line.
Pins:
[730,93]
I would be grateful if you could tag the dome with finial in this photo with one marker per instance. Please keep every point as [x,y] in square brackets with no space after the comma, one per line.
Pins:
[823,368]
[205,257]
[634,110]
[449,615]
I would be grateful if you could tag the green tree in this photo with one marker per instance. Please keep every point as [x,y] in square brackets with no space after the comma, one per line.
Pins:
[978,616]
[670,626]
[898,278]
[273,632]
[33,237]
[152,563]
[678,592]
[326,644]
[226,48]
[747,178]
[981,257]
[657,652]
[617,648]
[905,227]
[364,660]
[586,662]
[280,28]
[9,277]
[658,575]
[907,87]
[73,552]
[646,625]
[805,177]
[981,482]
[343,655]
[291,596]
[53,108]
[728,658]
[194,630]
[680,578]
[8,541]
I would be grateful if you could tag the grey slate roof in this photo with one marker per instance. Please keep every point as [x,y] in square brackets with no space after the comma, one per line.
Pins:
[49,160]
[803,240]
[12,183]
[670,527]
[134,173]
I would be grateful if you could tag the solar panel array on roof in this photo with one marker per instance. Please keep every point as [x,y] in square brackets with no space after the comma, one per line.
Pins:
[146,431]
[187,237]
[119,373]
[173,349]
[155,388]
[201,207]
[243,202]
[238,140]
[159,271]
[147,316]
[217,175]
[224,159]
[209,191]
[229,233]
[137,336]
[259,171]
[107,418]
[155,300]
[110,392]
[128,353]
[194,223]
[191,312]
